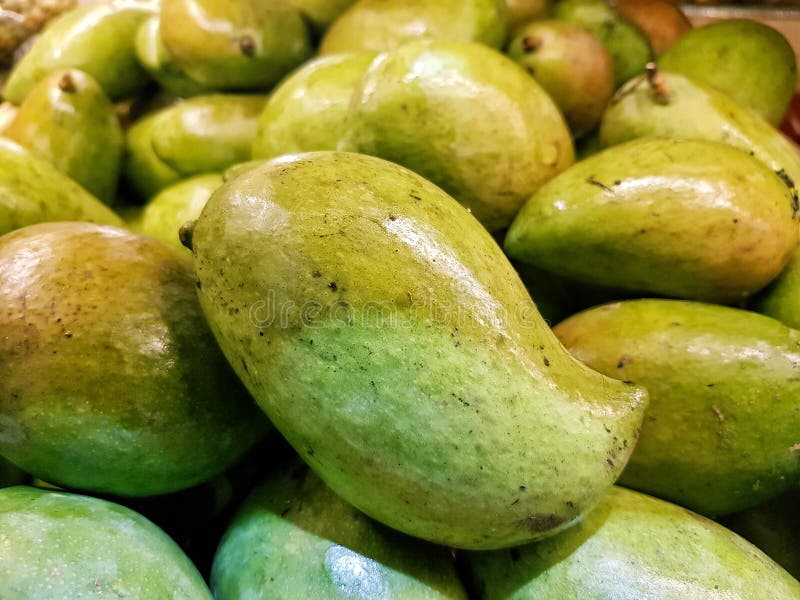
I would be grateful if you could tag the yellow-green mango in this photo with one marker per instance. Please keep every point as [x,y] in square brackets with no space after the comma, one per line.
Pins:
[242,45]
[749,61]
[34,191]
[391,342]
[294,538]
[633,547]
[97,39]
[109,378]
[143,169]
[380,25]
[722,430]
[673,106]
[689,219]
[781,300]
[491,149]
[67,120]
[321,13]
[521,12]
[307,111]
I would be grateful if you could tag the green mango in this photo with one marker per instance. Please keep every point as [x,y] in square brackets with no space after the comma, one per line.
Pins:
[571,65]
[380,25]
[143,169]
[321,13]
[781,300]
[97,39]
[109,380]
[749,61]
[243,45]
[67,120]
[366,310]
[417,106]
[521,12]
[58,545]
[673,106]
[633,547]
[175,205]
[689,219]
[721,432]
[628,47]
[294,538]
[307,111]
[33,191]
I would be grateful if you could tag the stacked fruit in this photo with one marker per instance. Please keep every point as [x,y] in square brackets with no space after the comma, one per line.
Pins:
[222,217]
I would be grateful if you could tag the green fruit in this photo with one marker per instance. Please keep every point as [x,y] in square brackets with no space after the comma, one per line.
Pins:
[781,300]
[418,107]
[97,39]
[721,432]
[689,219]
[330,278]
[308,110]
[571,65]
[58,545]
[143,169]
[380,25]
[633,547]
[672,106]
[521,12]
[175,205]
[294,538]
[109,380]
[749,61]
[243,45]
[67,120]
[33,191]
[628,47]
[321,13]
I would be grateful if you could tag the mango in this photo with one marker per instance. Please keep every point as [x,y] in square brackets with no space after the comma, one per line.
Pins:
[380,25]
[721,432]
[365,309]
[688,219]
[781,300]
[417,106]
[109,379]
[143,170]
[67,120]
[321,13]
[520,12]
[97,39]
[58,545]
[749,61]
[662,21]
[632,547]
[294,538]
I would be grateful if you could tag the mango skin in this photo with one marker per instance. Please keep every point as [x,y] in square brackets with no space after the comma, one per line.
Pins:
[294,538]
[417,106]
[632,547]
[59,545]
[381,25]
[781,300]
[307,111]
[137,399]
[749,61]
[97,39]
[328,278]
[33,191]
[143,170]
[722,426]
[67,120]
[687,219]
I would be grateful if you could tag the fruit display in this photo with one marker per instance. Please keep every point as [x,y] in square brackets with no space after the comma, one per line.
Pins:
[381,299]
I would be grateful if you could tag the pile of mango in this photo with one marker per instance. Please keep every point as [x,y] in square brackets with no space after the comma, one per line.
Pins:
[277,282]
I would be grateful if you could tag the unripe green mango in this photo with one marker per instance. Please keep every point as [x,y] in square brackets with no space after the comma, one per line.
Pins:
[749,61]
[294,538]
[672,106]
[633,547]
[380,25]
[781,300]
[689,219]
[97,39]
[243,45]
[143,169]
[58,545]
[722,430]
[33,191]
[321,13]
[67,120]
[629,48]
[366,310]
[175,205]
[417,106]
[307,111]
[109,379]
